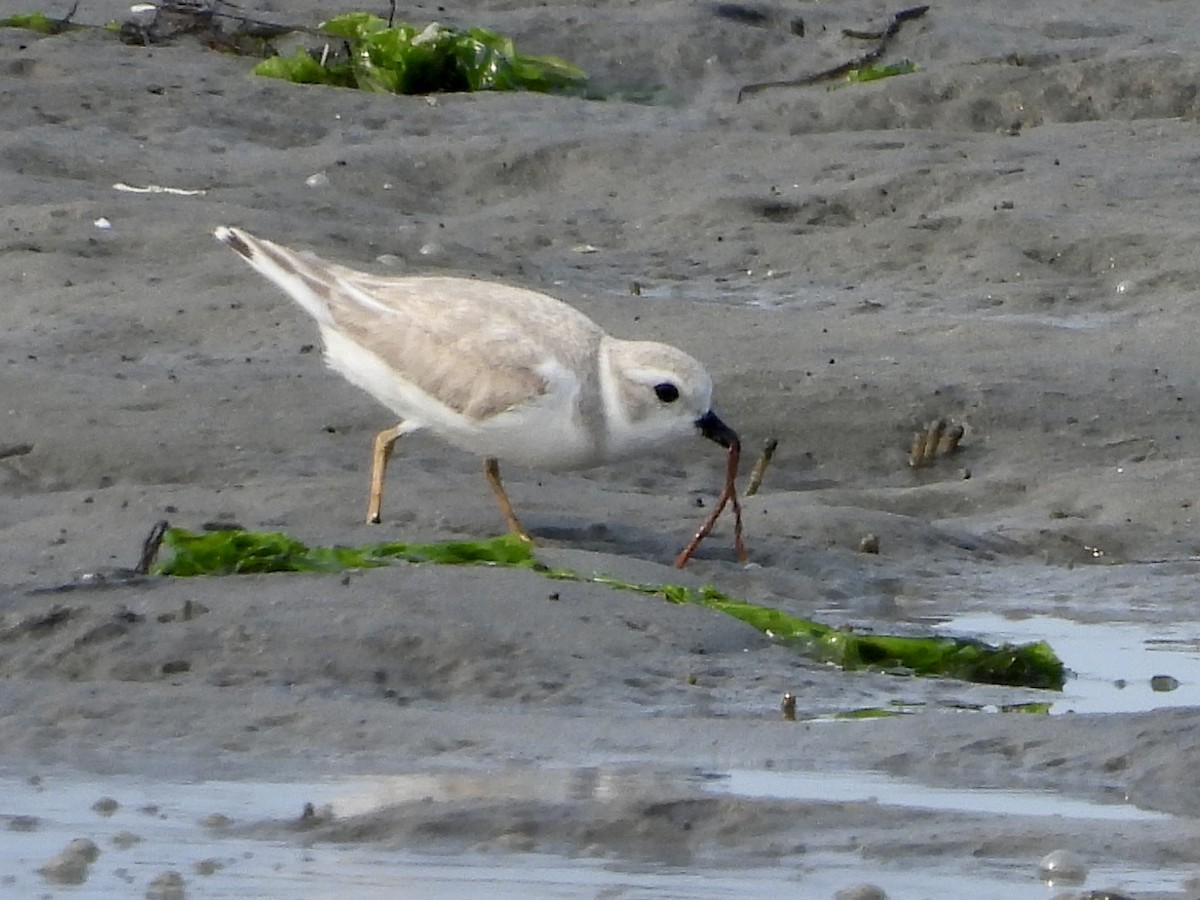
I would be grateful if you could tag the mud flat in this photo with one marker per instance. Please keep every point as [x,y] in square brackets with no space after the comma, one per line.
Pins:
[1003,238]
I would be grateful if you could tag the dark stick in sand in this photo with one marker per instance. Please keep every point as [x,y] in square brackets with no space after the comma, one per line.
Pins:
[884,38]
[728,495]
[760,467]
[150,547]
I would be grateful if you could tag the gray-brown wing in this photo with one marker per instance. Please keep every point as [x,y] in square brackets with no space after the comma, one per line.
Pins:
[479,347]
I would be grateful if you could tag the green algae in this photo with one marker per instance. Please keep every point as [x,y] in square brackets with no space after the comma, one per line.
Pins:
[406,59]
[36,21]
[242,552]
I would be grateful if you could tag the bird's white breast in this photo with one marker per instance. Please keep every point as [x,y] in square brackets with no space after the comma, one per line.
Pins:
[546,432]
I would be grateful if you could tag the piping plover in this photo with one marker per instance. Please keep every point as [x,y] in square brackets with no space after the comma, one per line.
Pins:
[504,372]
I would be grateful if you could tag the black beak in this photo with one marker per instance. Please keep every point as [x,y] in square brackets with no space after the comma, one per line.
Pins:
[716,430]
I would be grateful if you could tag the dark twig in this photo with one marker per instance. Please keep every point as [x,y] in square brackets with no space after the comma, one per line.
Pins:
[871,56]
[250,26]
[150,547]
[65,22]
[219,23]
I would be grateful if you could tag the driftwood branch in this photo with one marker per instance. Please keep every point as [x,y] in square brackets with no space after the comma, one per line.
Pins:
[883,39]
[219,23]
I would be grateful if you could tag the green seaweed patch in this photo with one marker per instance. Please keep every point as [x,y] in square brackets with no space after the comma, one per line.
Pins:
[1029,665]
[241,552]
[876,71]
[236,552]
[405,59]
[868,712]
[39,22]
[1029,709]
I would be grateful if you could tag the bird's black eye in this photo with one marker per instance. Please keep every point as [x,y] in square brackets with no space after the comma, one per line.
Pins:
[666,392]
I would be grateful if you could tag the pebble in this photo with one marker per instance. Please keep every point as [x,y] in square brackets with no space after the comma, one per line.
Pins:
[1164,683]
[71,865]
[864,891]
[123,840]
[167,886]
[23,823]
[208,866]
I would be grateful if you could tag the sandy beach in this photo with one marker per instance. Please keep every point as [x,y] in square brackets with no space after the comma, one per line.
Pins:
[1004,238]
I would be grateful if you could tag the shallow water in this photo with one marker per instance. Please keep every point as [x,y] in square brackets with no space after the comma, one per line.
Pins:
[167,820]
[885,790]
[1112,663]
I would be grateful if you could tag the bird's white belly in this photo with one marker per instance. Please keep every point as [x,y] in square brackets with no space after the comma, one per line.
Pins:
[544,433]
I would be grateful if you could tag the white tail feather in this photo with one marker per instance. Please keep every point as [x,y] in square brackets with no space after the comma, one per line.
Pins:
[303,280]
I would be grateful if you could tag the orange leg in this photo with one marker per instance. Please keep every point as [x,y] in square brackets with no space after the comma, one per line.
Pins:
[385,441]
[491,468]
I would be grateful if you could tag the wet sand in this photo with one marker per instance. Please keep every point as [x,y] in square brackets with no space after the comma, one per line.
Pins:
[1004,238]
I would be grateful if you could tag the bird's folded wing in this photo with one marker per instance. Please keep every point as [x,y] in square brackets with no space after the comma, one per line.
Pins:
[478,348]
